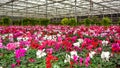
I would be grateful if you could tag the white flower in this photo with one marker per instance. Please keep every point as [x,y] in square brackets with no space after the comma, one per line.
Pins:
[1,67]
[104,43]
[25,38]
[19,38]
[58,35]
[49,38]
[26,48]
[4,36]
[80,40]
[73,53]
[39,35]
[40,53]
[67,58]
[76,44]
[105,55]
[45,37]
[91,54]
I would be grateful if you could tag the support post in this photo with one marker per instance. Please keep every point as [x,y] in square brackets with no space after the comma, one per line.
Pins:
[75,10]
[46,8]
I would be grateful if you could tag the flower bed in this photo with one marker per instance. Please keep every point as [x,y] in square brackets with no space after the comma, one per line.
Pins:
[59,47]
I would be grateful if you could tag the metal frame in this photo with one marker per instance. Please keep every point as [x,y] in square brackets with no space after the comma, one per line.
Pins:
[65,8]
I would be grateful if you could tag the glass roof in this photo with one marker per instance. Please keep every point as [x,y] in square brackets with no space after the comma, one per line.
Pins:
[58,8]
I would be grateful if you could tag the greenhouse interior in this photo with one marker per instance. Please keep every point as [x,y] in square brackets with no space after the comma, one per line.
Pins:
[59,33]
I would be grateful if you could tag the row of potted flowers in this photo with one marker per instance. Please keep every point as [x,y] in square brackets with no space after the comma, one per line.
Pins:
[59,47]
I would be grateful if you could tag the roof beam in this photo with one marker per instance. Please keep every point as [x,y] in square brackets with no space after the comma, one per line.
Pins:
[102,5]
[8,2]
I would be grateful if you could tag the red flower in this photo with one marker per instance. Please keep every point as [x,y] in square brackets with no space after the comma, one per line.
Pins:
[95,44]
[31,60]
[34,45]
[18,62]
[50,58]
[71,64]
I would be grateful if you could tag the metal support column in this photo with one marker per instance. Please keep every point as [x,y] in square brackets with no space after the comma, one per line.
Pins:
[38,10]
[75,10]
[103,12]
[12,14]
[56,16]
[26,8]
[46,8]
[90,7]
[111,15]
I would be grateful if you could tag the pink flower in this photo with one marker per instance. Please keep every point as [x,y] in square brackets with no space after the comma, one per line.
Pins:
[74,38]
[50,50]
[57,46]
[20,53]
[87,60]
[59,38]
[115,47]
[1,46]
[18,62]
[75,58]
[81,61]
[99,49]
[90,47]
[13,65]
[11,46]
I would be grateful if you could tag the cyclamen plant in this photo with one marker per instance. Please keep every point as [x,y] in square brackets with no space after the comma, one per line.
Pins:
[59,47]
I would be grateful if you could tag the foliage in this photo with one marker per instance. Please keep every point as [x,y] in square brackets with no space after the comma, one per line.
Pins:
[119,21]
[6,21]
[87,21]
[65,21]
[44,21]
[25,21]
[16,22]
[72,22]
[95,20]
[106,21]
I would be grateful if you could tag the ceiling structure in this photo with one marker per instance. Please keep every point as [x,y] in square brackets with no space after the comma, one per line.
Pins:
[58,8]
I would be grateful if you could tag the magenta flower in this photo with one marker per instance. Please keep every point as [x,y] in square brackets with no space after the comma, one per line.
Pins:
[59,38]
[81,61]
[74,38]
[20,53]
[75,58]
[13,65]
[99,49]
[115,47]
[57,46]
[50,50]
[1,46]
[11,46]
[87,60]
